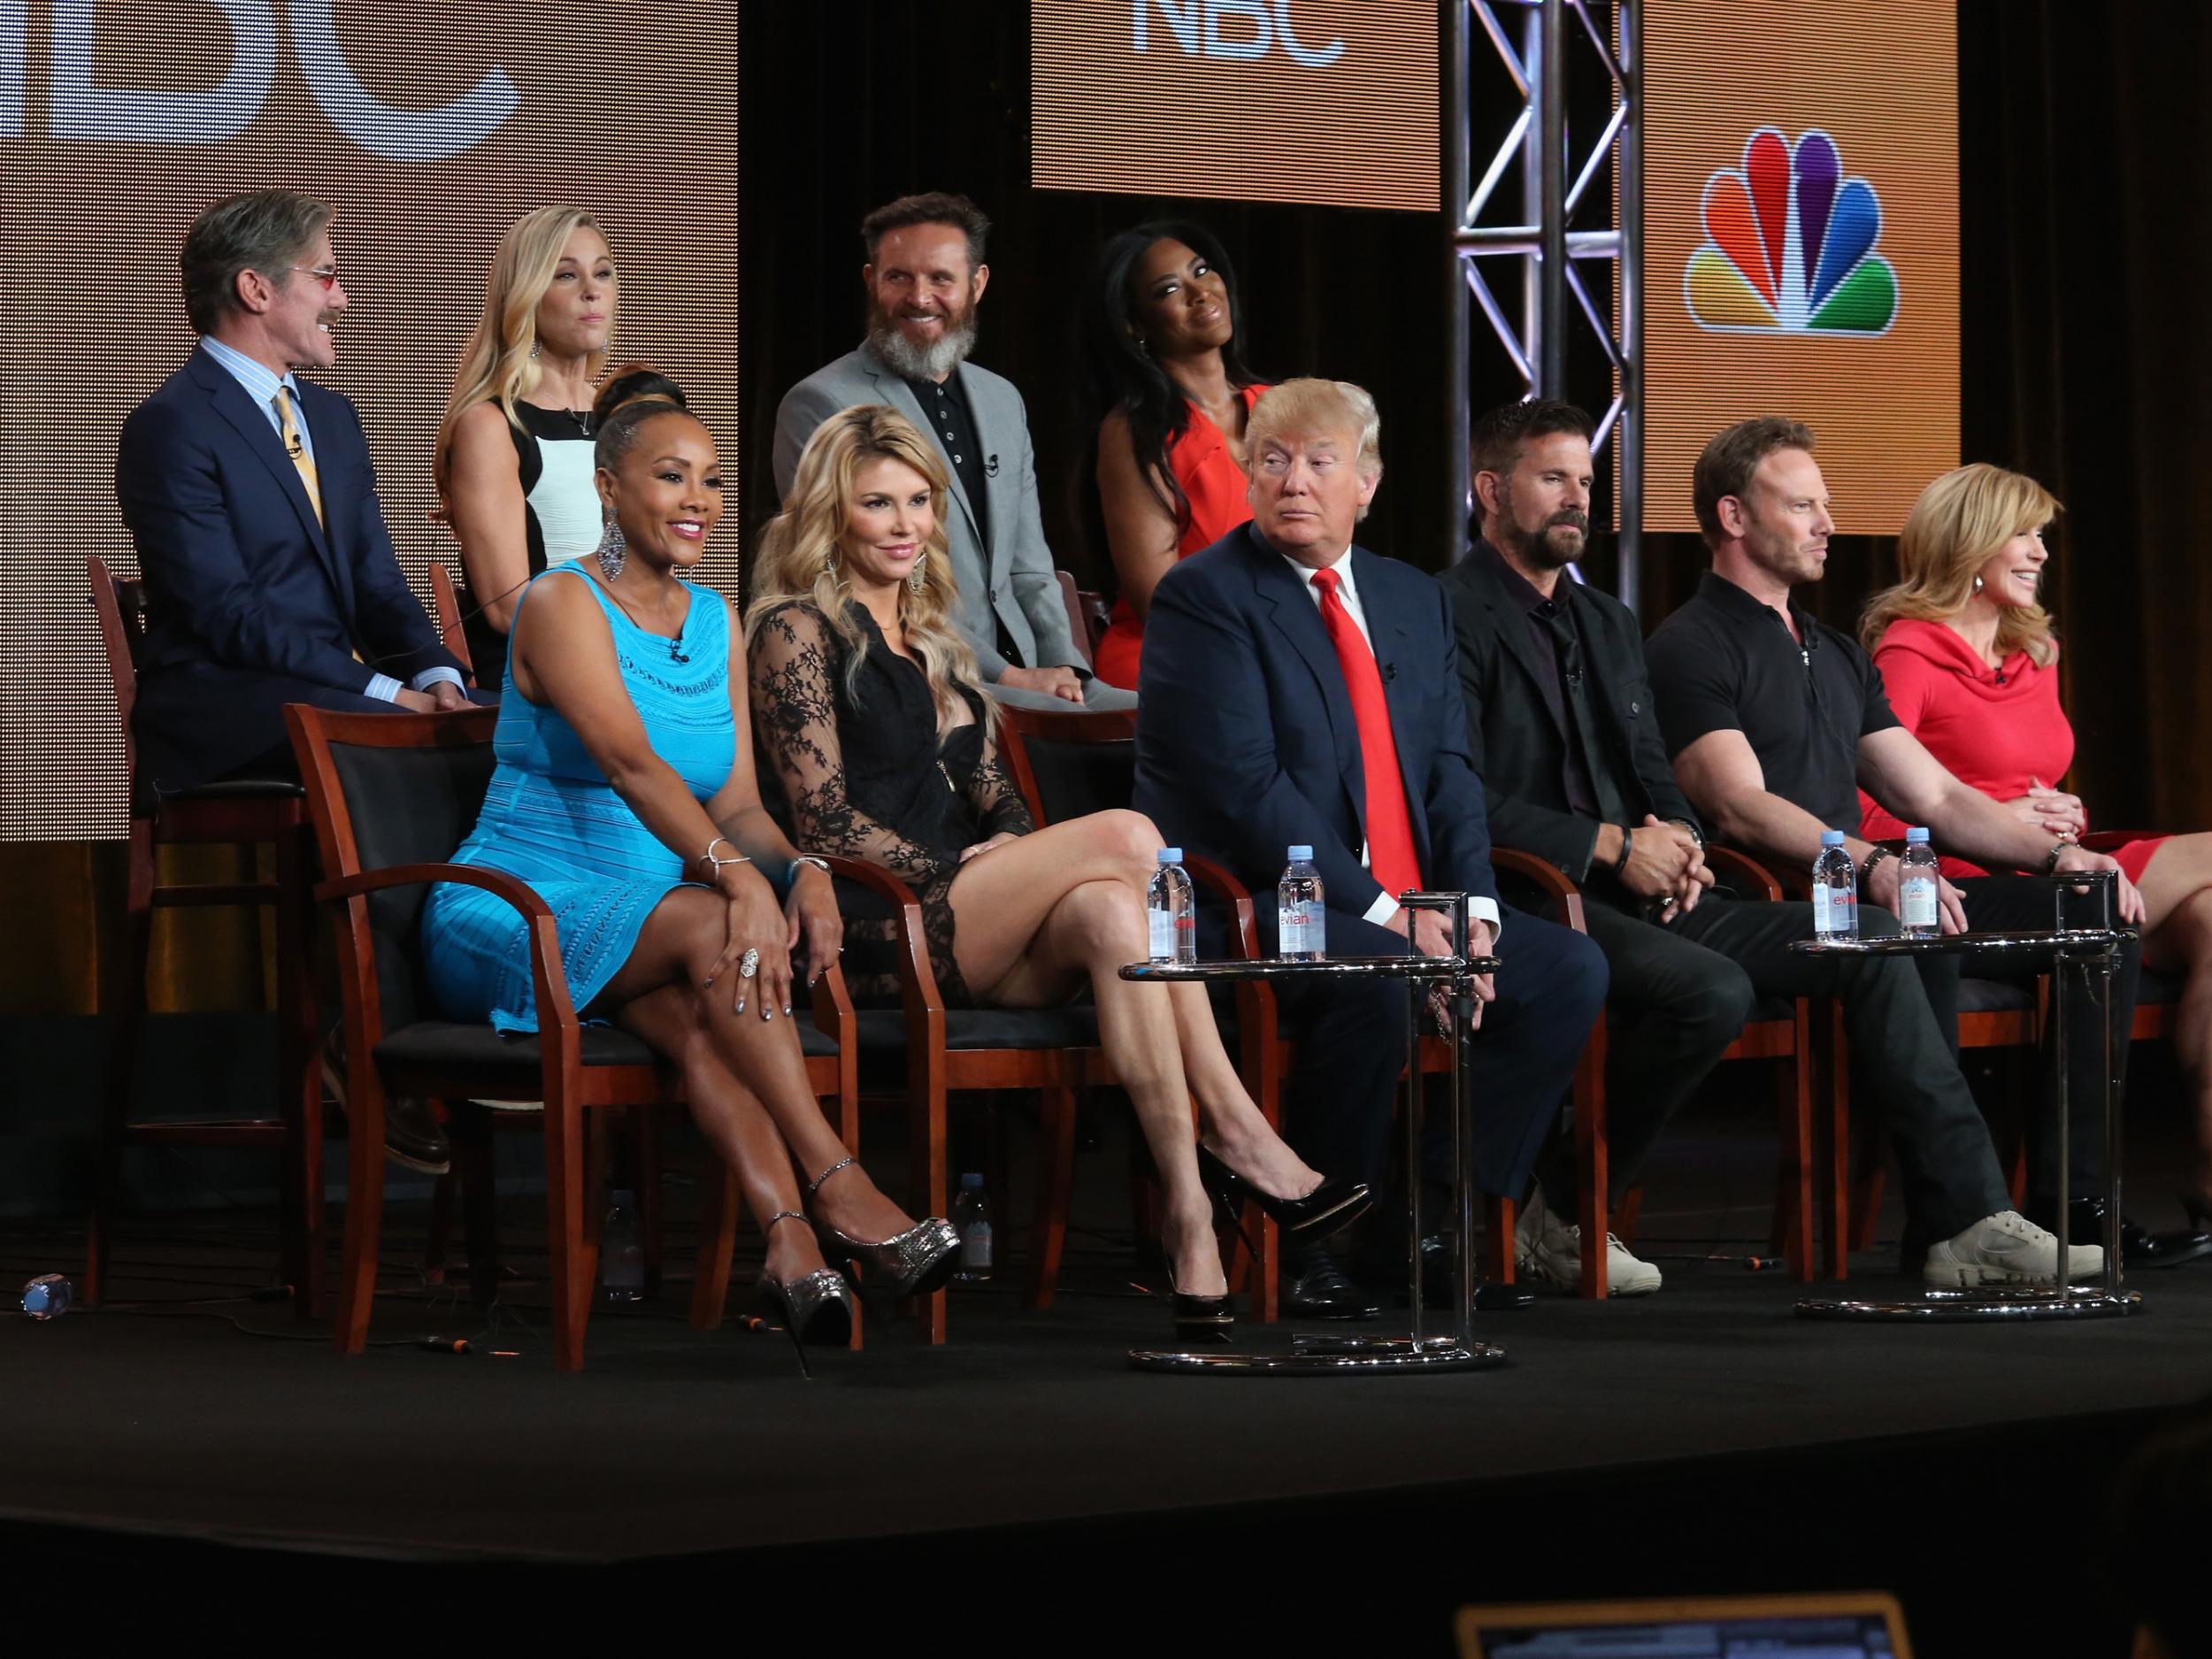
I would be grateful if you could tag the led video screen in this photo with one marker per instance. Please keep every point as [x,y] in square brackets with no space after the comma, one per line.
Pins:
[1330,101]
[429,128]
[1800,241]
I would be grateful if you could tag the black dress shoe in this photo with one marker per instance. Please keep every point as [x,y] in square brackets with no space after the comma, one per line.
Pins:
[1333,1205]
[414,1137]
[1322,1291]
[1439,1271]
[2139,1247]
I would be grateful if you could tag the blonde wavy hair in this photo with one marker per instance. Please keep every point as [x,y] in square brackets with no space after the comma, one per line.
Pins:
[802,554]
[1959,521]
[497,364]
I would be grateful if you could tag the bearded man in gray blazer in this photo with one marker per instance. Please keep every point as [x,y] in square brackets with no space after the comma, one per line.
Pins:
[925,276]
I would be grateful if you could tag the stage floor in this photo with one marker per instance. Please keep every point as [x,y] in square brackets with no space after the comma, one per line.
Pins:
[672,1442]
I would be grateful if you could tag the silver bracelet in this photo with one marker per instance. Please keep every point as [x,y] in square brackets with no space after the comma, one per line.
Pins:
[821,865]
[716,865]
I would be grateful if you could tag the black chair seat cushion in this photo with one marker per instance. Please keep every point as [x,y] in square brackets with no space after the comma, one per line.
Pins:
[477,1055]
[883,1029]
[241,789]
[1995,996]
[2158,989]
[1768,1008]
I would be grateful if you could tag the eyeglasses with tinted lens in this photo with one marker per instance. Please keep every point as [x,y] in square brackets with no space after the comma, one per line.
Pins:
[328,275]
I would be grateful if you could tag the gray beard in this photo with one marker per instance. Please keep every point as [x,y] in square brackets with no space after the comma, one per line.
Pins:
[915,364]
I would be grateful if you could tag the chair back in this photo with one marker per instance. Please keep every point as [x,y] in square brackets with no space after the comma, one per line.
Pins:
[448,603]
[386,790]
[119,604]
[1083,610]
[1070,766]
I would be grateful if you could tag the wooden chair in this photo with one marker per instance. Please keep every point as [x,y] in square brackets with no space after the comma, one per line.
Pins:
[268,811]
[446,603]
[1780,1029]
[392,795]
[1068,766]
[927,1050]
[1088,614]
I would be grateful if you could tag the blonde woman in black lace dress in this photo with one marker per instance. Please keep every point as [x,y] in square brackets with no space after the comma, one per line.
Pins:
[868,711]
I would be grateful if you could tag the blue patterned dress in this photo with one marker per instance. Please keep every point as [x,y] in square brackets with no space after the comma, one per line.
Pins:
[551,819]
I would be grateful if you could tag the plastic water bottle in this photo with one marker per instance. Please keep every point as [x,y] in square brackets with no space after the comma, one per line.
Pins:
[621,1256]
[971,1217]
[1916,888]
[1301,924]
[47,1297]
[1835,890]
[1170,913]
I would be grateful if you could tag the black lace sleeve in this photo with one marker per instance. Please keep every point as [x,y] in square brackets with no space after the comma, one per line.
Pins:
[996,798]
[794,716]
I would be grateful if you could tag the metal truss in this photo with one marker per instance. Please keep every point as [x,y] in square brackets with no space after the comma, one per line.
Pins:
[1490,228]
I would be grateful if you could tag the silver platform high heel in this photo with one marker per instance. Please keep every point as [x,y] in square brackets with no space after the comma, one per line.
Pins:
[916,1262]
[816,1308]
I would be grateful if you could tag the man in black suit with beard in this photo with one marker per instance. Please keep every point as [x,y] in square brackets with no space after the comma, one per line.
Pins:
[1564,735]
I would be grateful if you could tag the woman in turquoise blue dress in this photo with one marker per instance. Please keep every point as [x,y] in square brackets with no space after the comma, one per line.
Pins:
[625,799]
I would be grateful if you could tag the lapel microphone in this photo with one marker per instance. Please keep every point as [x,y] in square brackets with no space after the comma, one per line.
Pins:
[990,466]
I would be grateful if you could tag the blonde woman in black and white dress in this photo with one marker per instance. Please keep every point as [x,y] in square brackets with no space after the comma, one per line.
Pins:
[514,457]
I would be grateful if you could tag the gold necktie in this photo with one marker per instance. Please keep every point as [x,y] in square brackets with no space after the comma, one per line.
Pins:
[289,430]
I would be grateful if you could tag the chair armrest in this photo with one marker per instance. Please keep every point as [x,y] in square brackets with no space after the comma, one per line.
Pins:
[1776,883]
[514,890]
[1244,922]
[915,976]
[1547,878]
[556,1012]
[1753,878]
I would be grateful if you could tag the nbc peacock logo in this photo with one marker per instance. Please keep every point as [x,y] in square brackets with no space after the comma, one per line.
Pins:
[1790,245]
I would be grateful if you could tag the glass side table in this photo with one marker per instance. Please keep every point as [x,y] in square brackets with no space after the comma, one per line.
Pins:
[1334,1355]
[2095,948]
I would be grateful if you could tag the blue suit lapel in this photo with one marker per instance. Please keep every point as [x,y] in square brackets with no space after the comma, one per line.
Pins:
[1299,620]
[229,400]
[1395,649]
[337,486]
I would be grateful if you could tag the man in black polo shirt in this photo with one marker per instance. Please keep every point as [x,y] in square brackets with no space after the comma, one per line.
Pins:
[1775,721]
[1561,722]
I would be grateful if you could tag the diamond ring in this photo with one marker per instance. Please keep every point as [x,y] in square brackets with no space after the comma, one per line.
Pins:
[748,965]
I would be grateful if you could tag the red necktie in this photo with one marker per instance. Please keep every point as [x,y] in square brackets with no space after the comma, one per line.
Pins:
[1390,853]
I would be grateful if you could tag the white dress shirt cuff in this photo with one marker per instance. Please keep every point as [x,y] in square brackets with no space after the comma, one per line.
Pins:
[383,687]
[430,677]
[1479,910]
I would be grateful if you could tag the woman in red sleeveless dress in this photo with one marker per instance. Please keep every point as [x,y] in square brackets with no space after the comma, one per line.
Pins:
[1971,668]
[1168,371]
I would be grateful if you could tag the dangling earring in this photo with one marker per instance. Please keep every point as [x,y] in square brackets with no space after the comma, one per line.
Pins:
[918,577]
[829,560]
[613,550]
[1144,345]
[1978,584]
[534,351]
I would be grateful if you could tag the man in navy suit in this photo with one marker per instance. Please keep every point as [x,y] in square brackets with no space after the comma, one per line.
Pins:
[1299,690]
[270,576]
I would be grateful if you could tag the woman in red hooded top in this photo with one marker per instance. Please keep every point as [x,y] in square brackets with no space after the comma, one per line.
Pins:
[1971,668]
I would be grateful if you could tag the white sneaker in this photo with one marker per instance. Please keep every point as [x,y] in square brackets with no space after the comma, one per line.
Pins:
[1552,1251]
[2008,1248]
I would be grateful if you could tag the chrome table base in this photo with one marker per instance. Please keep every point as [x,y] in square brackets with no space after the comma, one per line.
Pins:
[2095,948]
[1330,1354]
[2006,1304]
